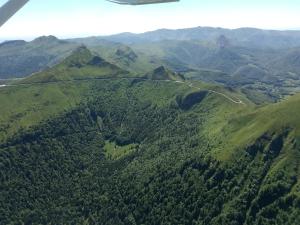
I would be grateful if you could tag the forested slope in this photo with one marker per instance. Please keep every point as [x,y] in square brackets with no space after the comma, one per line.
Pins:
[62,171]
[86,149]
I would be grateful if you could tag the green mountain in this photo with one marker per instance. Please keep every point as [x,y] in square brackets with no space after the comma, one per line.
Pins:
[20,58]
[162,73]
[109,134]
[262,63]
[120,54]
[254,60]
[86,143]
[29,101]
[226,57]
[126,54]
[81,64]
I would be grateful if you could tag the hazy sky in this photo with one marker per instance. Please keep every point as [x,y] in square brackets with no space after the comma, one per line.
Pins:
[73,18]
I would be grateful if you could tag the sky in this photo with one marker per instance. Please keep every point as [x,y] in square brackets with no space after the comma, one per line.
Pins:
[81,18]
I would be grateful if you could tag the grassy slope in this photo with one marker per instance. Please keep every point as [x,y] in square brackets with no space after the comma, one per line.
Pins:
[34,99]
[227,127]
[245,130]
[28,103]
[51,92]
[270,118]
[82,64]
[115,152]
[109,51]
[239,121]
[24,106]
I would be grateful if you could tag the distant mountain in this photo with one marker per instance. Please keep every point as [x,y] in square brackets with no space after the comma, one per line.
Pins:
[20,58]
[126,54]
[263,60]
[184,56]
[162,73]
[81,64]
[288,61]
[120,54]
[247,37]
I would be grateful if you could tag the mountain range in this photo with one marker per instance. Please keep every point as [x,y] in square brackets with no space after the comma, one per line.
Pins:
[151,132]
[245,37]
[244,58]
[20,58]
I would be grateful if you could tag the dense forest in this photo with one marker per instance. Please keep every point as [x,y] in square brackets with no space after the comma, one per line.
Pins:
[129,154]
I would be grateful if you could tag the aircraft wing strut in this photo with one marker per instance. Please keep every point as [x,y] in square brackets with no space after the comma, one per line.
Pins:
[141,2]
[10,8]
[13,6]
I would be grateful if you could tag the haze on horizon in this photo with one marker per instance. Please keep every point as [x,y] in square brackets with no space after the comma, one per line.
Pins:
[77,18]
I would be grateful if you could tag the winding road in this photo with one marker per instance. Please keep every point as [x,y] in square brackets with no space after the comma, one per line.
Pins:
[238,101]
[191,85]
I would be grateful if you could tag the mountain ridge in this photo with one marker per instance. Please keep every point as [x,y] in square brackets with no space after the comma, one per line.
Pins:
[228,57]
[80,64]
[211,33]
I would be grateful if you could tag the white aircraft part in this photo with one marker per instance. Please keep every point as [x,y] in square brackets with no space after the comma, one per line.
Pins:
[141,2]
[13,6]
[10,8]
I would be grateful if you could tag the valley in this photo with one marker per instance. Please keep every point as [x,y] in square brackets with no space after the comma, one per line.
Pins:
[201,129]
